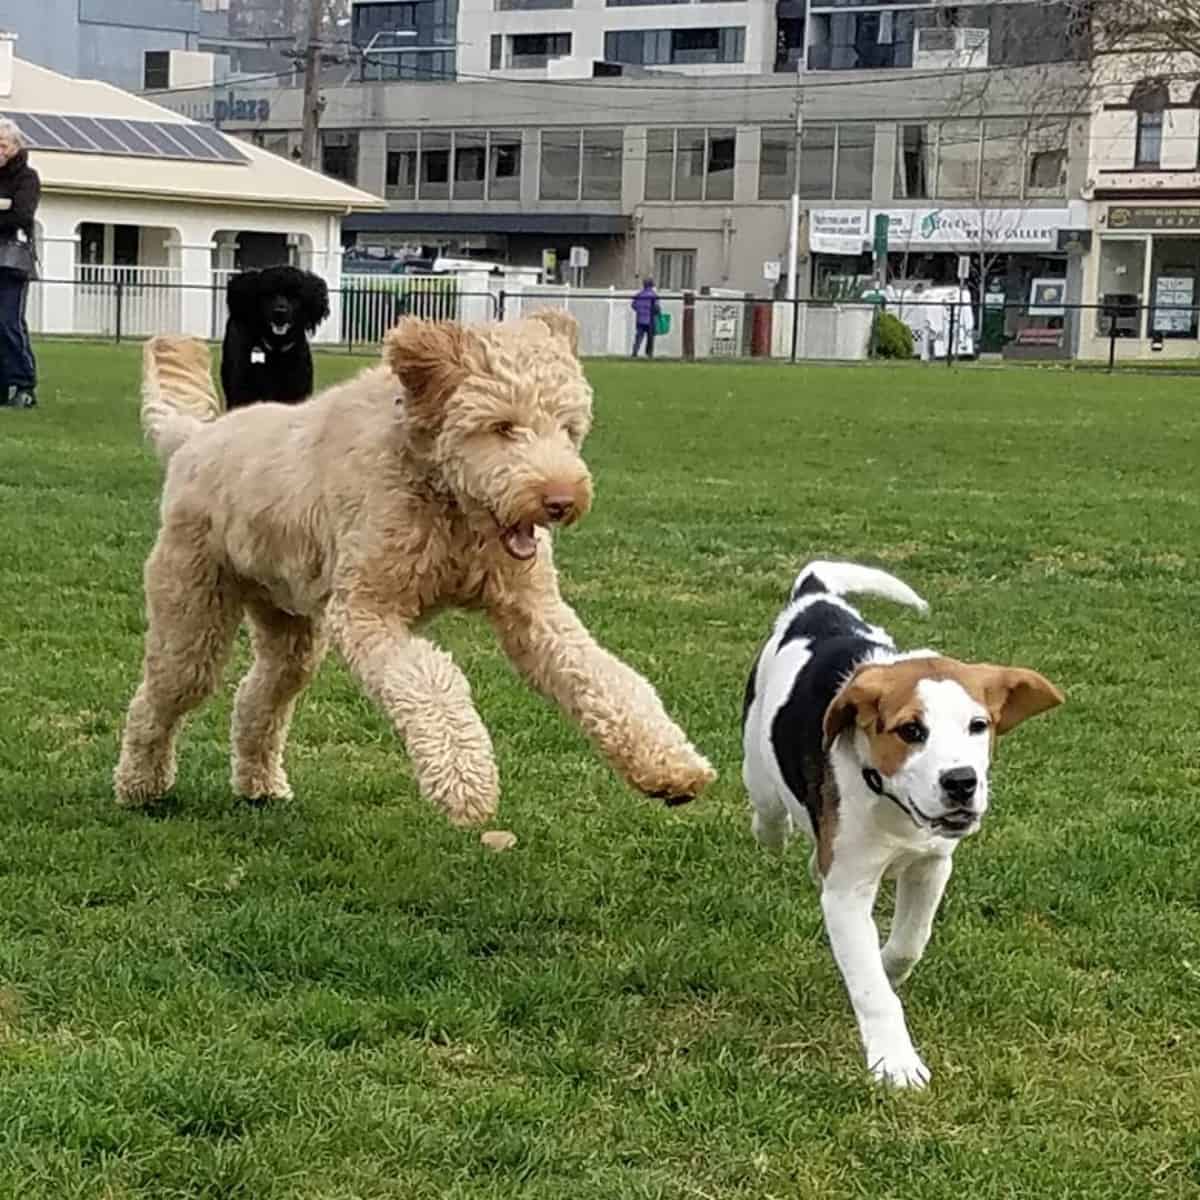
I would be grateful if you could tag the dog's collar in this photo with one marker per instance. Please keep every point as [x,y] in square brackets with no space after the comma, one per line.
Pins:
[874,781]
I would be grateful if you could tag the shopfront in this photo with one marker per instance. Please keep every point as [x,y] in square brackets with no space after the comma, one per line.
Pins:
[1144,290]
[1011,257]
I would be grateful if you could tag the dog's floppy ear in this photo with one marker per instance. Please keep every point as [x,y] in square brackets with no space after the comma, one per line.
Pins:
[429,358]
[561,324]
[241,295]
[857,703]
[1014,694]
[314,300]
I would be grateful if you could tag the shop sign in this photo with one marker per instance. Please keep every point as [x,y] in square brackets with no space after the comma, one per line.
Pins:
[994,229]
[1156,217]
[837,230]
[845,230]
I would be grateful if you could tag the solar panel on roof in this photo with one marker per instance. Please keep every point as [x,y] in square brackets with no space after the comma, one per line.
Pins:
[134,139]
[105,141]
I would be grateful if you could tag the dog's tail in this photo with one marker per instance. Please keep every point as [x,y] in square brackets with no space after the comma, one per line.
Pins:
[848,579]
[178,396]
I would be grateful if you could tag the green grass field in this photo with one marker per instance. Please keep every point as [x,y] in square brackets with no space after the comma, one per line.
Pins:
[345,998]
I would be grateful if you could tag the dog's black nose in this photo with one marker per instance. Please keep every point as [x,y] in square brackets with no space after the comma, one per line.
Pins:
[558,507]
[959,784]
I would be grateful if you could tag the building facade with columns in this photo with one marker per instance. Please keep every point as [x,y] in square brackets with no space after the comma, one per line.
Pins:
[143,213]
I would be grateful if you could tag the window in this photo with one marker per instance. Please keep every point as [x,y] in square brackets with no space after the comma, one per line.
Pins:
[602,151]
[720,163]
[958,160]
[1003,161]
[156,70]
[1151,99]
[581,164]
[776,163]
[472,164]
[1149,140]
[504,165]
[528,51]
[855,162]
[560,164]
[914,163]
[690,164]
[678,47]
[1122,270]
[848,41]
[1047,170]
[675,270]
[660,156]
[816,161]
[497,60]
[400,175]
[640,3]
[339,156]
[435,166]
[531,5]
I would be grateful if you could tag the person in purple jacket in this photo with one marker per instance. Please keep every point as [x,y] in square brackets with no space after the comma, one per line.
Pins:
[645,310]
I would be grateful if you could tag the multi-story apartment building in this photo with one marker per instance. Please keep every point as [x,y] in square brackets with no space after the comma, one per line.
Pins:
[136,44]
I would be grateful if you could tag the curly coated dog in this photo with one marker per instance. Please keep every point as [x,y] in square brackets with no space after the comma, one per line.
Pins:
[431,480]
[272,314]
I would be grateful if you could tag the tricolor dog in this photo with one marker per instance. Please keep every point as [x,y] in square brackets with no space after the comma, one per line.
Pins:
[882,759]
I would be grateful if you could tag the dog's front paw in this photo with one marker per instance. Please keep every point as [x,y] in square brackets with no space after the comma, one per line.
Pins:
[678,778]
[900,1070]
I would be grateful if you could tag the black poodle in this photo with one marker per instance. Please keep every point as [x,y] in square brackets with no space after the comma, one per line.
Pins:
[272,313]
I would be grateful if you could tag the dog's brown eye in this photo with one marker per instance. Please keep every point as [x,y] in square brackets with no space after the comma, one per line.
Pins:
[912,732]
[978,725]
[504,429]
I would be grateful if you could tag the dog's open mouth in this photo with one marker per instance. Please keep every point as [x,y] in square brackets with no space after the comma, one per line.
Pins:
[955,825]
[520,540]
[281,330]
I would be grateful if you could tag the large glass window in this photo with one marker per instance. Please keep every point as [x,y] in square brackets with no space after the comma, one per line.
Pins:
[855,162]
[1174,267]
[602,151]
[339,156]
[690,164]
[776,162]
[914,162]
[560,164]
[958,160]
[435,166]
[660,155]
[400,176]
[679,47]
[528,51]
[720,164]
[817,144]
[1003,159]
[470,164]
[1122,269]
[465,164]
[504,165]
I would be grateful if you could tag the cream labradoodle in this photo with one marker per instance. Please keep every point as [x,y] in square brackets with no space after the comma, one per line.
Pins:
[428,481]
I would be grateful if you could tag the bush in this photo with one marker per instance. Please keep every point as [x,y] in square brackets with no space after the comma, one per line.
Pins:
[893,339]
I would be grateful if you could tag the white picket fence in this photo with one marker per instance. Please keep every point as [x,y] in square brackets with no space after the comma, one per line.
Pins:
[372,304]
[140,301]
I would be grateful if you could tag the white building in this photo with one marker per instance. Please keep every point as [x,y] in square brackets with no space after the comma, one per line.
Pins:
[143,213]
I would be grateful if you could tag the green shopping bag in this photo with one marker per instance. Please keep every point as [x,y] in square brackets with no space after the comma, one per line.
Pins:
[662,324]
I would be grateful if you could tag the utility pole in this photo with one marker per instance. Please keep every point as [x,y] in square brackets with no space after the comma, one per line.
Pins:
[313,105]
[794,211]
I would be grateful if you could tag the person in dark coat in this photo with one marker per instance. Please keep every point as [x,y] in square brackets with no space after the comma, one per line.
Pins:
[645,311]
[20,192]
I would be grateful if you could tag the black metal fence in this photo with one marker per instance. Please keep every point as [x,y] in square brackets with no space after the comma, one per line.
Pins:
[693,326]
